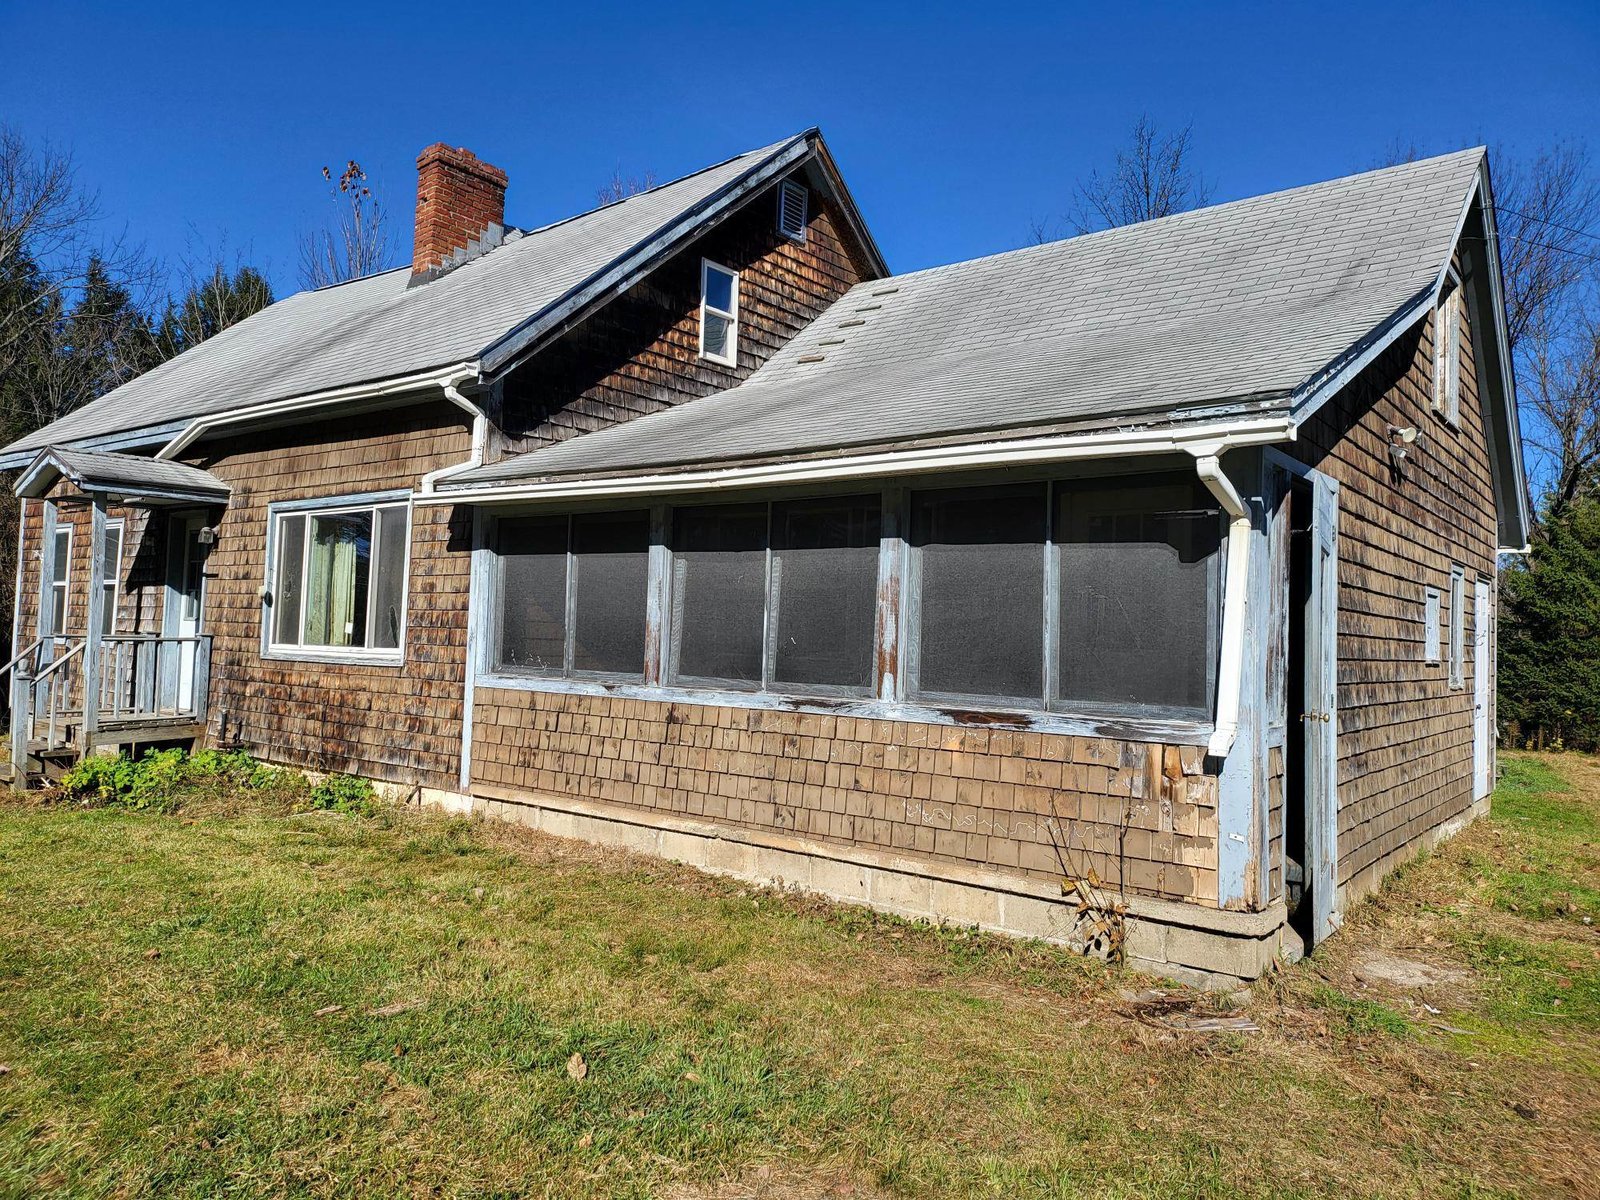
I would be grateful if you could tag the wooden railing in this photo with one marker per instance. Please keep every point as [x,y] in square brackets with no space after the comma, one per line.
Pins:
[141,678]
[145,676]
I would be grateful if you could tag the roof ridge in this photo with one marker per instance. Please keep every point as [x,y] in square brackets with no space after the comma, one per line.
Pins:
[1187,215]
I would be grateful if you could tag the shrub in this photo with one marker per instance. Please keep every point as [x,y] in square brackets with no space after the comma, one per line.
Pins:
[348,794]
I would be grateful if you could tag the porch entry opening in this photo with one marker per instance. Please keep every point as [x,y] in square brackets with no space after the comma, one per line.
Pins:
[1310,748]
[185,609]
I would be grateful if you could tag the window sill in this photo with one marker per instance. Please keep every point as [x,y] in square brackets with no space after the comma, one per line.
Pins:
[354,658]
[1128,728]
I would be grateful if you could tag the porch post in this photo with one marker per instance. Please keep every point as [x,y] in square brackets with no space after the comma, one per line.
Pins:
[93,655]
[21,714]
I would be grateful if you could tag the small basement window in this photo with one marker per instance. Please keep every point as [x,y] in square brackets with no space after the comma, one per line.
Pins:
[340,579]
[793,200]
[1430,626]
[1458,626]
[719,314]
[1447,319]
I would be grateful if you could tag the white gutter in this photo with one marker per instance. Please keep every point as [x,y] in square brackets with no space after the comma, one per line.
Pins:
[1230,672]
[480,438]
[447,378]
[1196,439]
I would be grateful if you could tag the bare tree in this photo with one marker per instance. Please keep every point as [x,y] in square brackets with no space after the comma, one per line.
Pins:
[358,242]
[620,187]
[1154,176]
[49,227]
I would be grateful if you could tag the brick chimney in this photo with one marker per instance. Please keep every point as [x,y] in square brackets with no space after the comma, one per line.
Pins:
[460,200]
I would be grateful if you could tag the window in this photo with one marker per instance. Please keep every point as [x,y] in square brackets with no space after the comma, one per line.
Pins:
[1121,577]
[573,594]
[1097,597]
[1139,588]
[1447,352]
[1430,626]
[60,573]
[1458,626]
[781,597]
[113,579]
[719,313]
[340,579]
[980,558]
[792,201]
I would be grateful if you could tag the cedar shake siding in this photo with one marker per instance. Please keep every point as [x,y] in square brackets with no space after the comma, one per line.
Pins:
[641,352]
[400,724]
[1405,734]
[1142,816]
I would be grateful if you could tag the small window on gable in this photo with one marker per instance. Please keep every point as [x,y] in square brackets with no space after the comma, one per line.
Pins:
[719,314]
[792,201]
[1458,626]
[1447,319]
[1430,630]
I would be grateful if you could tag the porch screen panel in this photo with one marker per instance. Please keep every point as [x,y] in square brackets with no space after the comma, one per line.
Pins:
[824,591]
[291,553]
[980,555]
[719,572]
[533,593]
[610,574]
[338,575]
[1139,584]
[389,581]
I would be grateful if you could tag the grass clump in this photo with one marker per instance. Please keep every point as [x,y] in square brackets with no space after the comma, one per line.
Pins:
[167,781]
[347,794]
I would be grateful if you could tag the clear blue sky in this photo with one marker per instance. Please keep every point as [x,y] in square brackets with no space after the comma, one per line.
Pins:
[955,124]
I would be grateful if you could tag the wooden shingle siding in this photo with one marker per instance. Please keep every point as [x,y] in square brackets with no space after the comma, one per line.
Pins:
[640,353]
[400,724]
[1405,735]
[1142,816]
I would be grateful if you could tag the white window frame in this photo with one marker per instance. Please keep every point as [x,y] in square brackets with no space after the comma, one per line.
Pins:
[113,580]
[1447,348]
[784,189]
[1430,626]
[731,359]
[63,563]
[330,507]
[1458,626]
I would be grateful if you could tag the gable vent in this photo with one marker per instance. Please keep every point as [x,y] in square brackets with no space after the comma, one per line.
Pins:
[792,210]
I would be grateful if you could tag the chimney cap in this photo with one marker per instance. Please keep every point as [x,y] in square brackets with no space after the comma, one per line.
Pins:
[461,159]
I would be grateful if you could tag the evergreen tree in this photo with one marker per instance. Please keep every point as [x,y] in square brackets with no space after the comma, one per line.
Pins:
[1549,678]
[212,303]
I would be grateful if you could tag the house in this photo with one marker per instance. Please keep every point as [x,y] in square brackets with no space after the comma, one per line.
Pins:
[1162,557]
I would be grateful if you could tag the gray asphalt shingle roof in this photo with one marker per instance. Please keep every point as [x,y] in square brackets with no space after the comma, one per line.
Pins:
[378,328]
[1243,300]
[95,470]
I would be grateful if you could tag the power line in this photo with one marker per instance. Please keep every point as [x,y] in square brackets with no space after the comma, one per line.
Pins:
[1541,245]
[1546,221]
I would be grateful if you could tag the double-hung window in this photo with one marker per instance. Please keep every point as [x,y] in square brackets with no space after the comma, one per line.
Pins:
[572,594]
[113,580]
[339,579]
[719,313]
[60,573]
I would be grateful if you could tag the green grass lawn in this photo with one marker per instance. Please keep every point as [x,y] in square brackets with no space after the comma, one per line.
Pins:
[243,1003]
